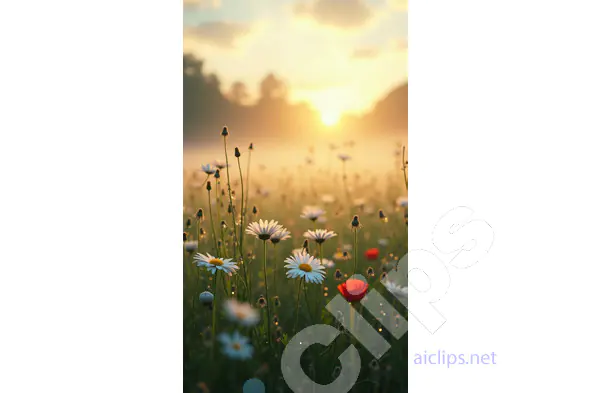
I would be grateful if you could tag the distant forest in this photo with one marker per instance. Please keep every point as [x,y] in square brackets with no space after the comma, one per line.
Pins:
[207,108]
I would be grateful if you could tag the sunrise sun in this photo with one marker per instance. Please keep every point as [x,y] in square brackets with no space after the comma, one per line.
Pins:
[330,118]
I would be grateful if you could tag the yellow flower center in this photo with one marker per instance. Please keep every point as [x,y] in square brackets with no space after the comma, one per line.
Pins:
[236,346]
[216,262]
[306,267]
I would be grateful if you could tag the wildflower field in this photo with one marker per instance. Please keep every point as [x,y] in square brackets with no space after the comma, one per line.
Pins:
[266,249]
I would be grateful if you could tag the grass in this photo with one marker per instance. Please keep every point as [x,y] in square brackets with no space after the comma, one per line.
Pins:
[281,195]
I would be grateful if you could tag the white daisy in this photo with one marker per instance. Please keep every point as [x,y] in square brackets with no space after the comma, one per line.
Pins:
[303,265]
[328,199]
[191,245]
[264,229]
[236,346]
[319,235]
[328,263]
[280,235]
[312,212]
[395,289]
[402,201]
[213,264]
[208,169]
[242,313]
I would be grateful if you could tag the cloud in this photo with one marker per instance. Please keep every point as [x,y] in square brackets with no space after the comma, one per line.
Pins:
[337,13]
[221,34]
[365,53]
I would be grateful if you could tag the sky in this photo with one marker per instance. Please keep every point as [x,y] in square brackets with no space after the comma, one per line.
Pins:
[337,55]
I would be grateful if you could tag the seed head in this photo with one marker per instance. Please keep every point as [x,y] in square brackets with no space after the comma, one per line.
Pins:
[237,153]
[217,175]
[200,215]
[254,210]
[208,186]
[355,222]
[251,147]
[224,132]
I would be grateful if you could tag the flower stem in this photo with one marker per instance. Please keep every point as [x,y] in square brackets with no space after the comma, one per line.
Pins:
[213,317]
[355,250]
[212,223]
[297,308]
[231,205]
[266,294]
[242,214]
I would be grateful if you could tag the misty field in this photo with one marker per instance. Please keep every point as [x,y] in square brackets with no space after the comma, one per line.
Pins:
[251,285]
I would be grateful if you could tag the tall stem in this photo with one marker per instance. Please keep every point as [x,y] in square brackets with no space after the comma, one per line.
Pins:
[214,316]
[266,294]
[242,214]
[297,309]
[355,250]
[212,223]
[231,204]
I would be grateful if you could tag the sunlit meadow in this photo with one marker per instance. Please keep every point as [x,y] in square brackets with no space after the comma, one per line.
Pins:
[329,210]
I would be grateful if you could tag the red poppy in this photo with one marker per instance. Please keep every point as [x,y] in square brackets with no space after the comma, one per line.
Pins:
[372,254]
[353,290]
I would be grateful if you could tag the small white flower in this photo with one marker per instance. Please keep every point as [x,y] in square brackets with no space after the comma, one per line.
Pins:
[213,264]
[236,346]
[359,202]
[328,263]
[304,266]
[191,245]
[264,229]
[395,289]
[219,164]
[208,169]
[328,199]
[242,313]
[312,212]
[344,157]
[319,235]
[402,201]
[280,235]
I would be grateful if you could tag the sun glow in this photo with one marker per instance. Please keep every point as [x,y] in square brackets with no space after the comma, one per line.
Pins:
[330,118]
